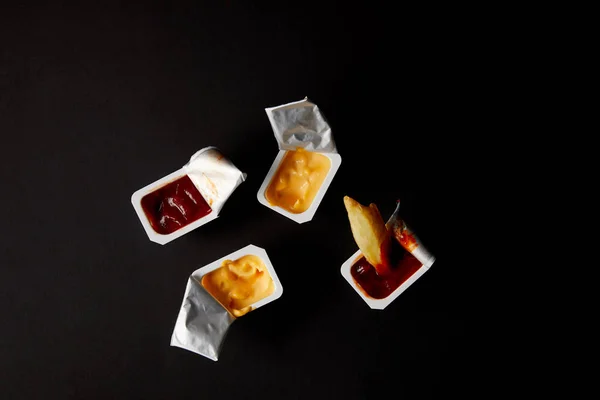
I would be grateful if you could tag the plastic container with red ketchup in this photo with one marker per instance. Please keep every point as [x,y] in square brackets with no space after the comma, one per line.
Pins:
[410,261]
[188,197]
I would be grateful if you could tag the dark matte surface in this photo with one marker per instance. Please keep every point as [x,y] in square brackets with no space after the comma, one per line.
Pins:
[96,102]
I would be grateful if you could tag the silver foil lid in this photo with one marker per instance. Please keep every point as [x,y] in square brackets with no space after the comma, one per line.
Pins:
[202,323]
[215,176]
[402,233]
[301,124]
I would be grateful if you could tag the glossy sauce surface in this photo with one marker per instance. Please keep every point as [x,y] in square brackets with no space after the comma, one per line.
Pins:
[240,283]
[297,180]
[174,206]
[379,287]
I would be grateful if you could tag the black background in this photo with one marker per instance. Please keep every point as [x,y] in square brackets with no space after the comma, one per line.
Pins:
[98,101]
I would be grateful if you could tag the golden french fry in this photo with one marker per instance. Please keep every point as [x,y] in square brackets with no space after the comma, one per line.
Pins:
[370,233]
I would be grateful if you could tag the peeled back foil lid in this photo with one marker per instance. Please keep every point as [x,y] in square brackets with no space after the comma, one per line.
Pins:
[215,176]
[301,124]
[202,322]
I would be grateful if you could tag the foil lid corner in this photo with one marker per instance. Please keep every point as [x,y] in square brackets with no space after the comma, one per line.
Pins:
[408,239]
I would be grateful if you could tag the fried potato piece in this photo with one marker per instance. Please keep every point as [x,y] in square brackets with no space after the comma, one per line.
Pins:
[370,233]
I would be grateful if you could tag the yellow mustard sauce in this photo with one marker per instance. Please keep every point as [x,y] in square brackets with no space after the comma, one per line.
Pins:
[297,180]
[240,283]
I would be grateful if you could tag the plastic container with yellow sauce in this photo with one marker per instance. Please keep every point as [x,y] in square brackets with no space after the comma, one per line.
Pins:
[305,165]
[220,292]
[239,283]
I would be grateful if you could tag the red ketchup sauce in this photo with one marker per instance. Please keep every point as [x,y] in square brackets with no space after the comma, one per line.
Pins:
[404,264]
[174,206]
